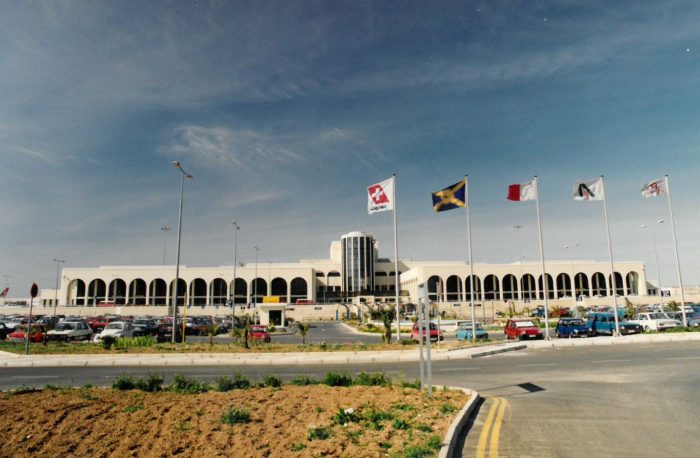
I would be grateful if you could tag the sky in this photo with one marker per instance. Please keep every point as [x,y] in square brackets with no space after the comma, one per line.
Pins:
[284,112]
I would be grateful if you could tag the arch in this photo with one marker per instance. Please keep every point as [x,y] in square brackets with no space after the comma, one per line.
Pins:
[598,283]
[181,291]
[453,287]
[564,285]
[333,281]
[527,287]
[298,289]
[632,283]
[320,274]
[218,291]
[240,292]
[582,286]
[619,286]
[97,290]
[278,287]
[137,292]
[468,289]
[433,287]
[117,291]
[258,290]
[198,292]
[510,287]
[492,288]
[158,292]
[550,287]
[76,292]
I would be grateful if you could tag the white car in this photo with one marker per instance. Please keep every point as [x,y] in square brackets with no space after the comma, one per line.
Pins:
[654,321]
[116,329]
[70,331]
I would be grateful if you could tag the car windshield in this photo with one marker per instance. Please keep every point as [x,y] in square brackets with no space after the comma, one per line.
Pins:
[65,326]
[258,328]
[657,316]
[114,326]
[574,322]
[524,324]
[468,326]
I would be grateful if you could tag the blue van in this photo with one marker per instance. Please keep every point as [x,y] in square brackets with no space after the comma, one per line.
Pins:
[604,323]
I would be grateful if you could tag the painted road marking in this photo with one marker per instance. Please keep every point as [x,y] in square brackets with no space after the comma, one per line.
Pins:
[457,369]
[34,376]
[684,357]
[612,361]
[495,420]
[537,365]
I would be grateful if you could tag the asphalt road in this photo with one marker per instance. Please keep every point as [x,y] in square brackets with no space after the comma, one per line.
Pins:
[619,400]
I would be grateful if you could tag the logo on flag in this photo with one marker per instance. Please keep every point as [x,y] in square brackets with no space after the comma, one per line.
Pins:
[655,188]
[521,192]
[380,196]
[589,190]
[451,197]
[4,292]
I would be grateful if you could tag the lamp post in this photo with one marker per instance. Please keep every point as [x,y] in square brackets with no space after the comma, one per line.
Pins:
[183,175]
[573,271]
[255,282]
[656,259]
[165,230]
[58,269]
[235,264]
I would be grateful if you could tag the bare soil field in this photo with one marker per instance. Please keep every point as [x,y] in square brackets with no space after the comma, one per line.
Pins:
[289,421]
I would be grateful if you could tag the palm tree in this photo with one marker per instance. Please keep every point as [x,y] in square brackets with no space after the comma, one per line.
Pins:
[302,330]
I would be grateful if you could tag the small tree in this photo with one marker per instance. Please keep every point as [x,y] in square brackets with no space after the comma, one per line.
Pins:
[387,316]
[302,330]
[211,330]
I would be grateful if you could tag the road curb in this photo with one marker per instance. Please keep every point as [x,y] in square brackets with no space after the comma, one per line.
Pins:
[449,443]
[498,350]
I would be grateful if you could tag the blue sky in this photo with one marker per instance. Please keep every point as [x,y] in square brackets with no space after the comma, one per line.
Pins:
[285,111]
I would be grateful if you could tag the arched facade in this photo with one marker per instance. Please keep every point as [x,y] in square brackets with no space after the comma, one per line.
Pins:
[117,291]
[492,288]
[599,288]
[158,292]
[528,287]
[218,292]
[510,287]
[564,285]
[435,286]
[475,292]
[453,290]
[632,284]
[137,292]
[298,289]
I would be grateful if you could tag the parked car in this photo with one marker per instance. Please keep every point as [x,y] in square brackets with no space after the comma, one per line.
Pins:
[49,322]
[260,332]
[572,327]
[144,327]
[464,331]
[693,318]
[70,331]
[522,328]
[18,334]
[98,323]
[435,333]
[604,323]
[654,321]
[116,329]
[537,312]
[4,331]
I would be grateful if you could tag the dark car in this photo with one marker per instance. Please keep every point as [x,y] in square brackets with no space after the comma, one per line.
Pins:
[144,327]
[572,327]
[4,331]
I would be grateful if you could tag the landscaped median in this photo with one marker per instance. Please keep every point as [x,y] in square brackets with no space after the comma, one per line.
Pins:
[362,416]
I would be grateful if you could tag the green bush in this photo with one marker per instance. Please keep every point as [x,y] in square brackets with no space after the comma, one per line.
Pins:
[124,382]
[225,383]
[234,416]
[297,447]
[186,385]
[336,379]
[150,383]
[319,433]
[404,407]
[423,427]
[304,380]
[374,417]
[345,416]
[414,384]
[435,442]
[400,424]
[417,451]
[273,381]
[372,379]
[107,342]
[446,408]
[409,342]
[132,409]
[130,342]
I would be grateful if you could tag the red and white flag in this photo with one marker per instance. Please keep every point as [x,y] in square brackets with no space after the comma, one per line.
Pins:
[521,192]
[655,188]
[380,196]
[4,292]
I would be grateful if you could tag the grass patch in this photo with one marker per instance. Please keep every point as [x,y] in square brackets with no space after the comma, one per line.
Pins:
[124,382]
[235,415]
[123,343]
[304,380]
[297,447]
[273,381]
[319,433]
[226,383]
[404,407]
[423,427]
[187,385]
[400,424]
[345,416]
[150,383]
[408,384]
[446,408]
[337,379]
[132,409]
[372,379]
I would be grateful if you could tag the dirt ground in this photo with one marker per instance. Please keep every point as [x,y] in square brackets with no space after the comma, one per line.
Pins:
[101,422]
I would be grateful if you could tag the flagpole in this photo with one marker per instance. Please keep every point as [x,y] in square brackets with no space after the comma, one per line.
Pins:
[396,266]
[471,263]
[545,285]
[675,246]
[613,282]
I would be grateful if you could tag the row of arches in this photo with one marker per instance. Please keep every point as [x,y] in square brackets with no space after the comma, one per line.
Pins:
[198,292]
[509,287]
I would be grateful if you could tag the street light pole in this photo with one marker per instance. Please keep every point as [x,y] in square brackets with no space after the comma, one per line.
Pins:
[165,230]
[183,175]
[58,268]
[235,264]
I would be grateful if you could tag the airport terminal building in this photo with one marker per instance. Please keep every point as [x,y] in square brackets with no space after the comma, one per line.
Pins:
[353,272]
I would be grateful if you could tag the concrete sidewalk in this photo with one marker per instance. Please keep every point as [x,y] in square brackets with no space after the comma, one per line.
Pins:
[623,340]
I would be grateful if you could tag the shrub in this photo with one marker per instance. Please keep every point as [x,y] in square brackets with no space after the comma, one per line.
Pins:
[446,408]
[372,379]
[234,416]
[404,407]
[124,382]
[345,416]
[417,451]
[150,383]
[107,342]
[414,384]
[186,385]
[130,342]
[375,418]
[408,342]
[400,424]
[319,433]
[132,409]
[423,427]
[273,381]
[226,383]
[435,442]
[304,380]
[297,447]
[336,379]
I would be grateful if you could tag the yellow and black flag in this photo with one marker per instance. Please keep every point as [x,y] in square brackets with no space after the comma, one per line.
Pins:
[451,197]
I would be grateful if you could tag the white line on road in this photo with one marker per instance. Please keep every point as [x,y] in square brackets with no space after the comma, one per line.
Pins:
[34,376]
[457,369]
[684,357]
[536,365]
[612,361]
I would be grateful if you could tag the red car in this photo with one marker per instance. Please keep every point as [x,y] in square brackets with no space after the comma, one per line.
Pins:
[259,332]
[435,333]
[36,336]
[523,328]
[98,323]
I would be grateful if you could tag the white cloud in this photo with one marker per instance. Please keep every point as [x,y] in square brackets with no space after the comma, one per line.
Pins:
[34,154]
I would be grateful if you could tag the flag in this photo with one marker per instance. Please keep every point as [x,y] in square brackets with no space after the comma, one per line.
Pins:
[520,192]
[451,197]
[380,196]
[589,190]
[4,292]
[655,188]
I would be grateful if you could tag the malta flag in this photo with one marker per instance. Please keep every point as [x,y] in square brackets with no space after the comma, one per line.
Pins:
[589,190]
[521,192]
[655,188]
[380,196]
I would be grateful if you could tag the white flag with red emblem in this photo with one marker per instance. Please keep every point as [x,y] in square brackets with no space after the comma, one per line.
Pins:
[380,196]
[655,188]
